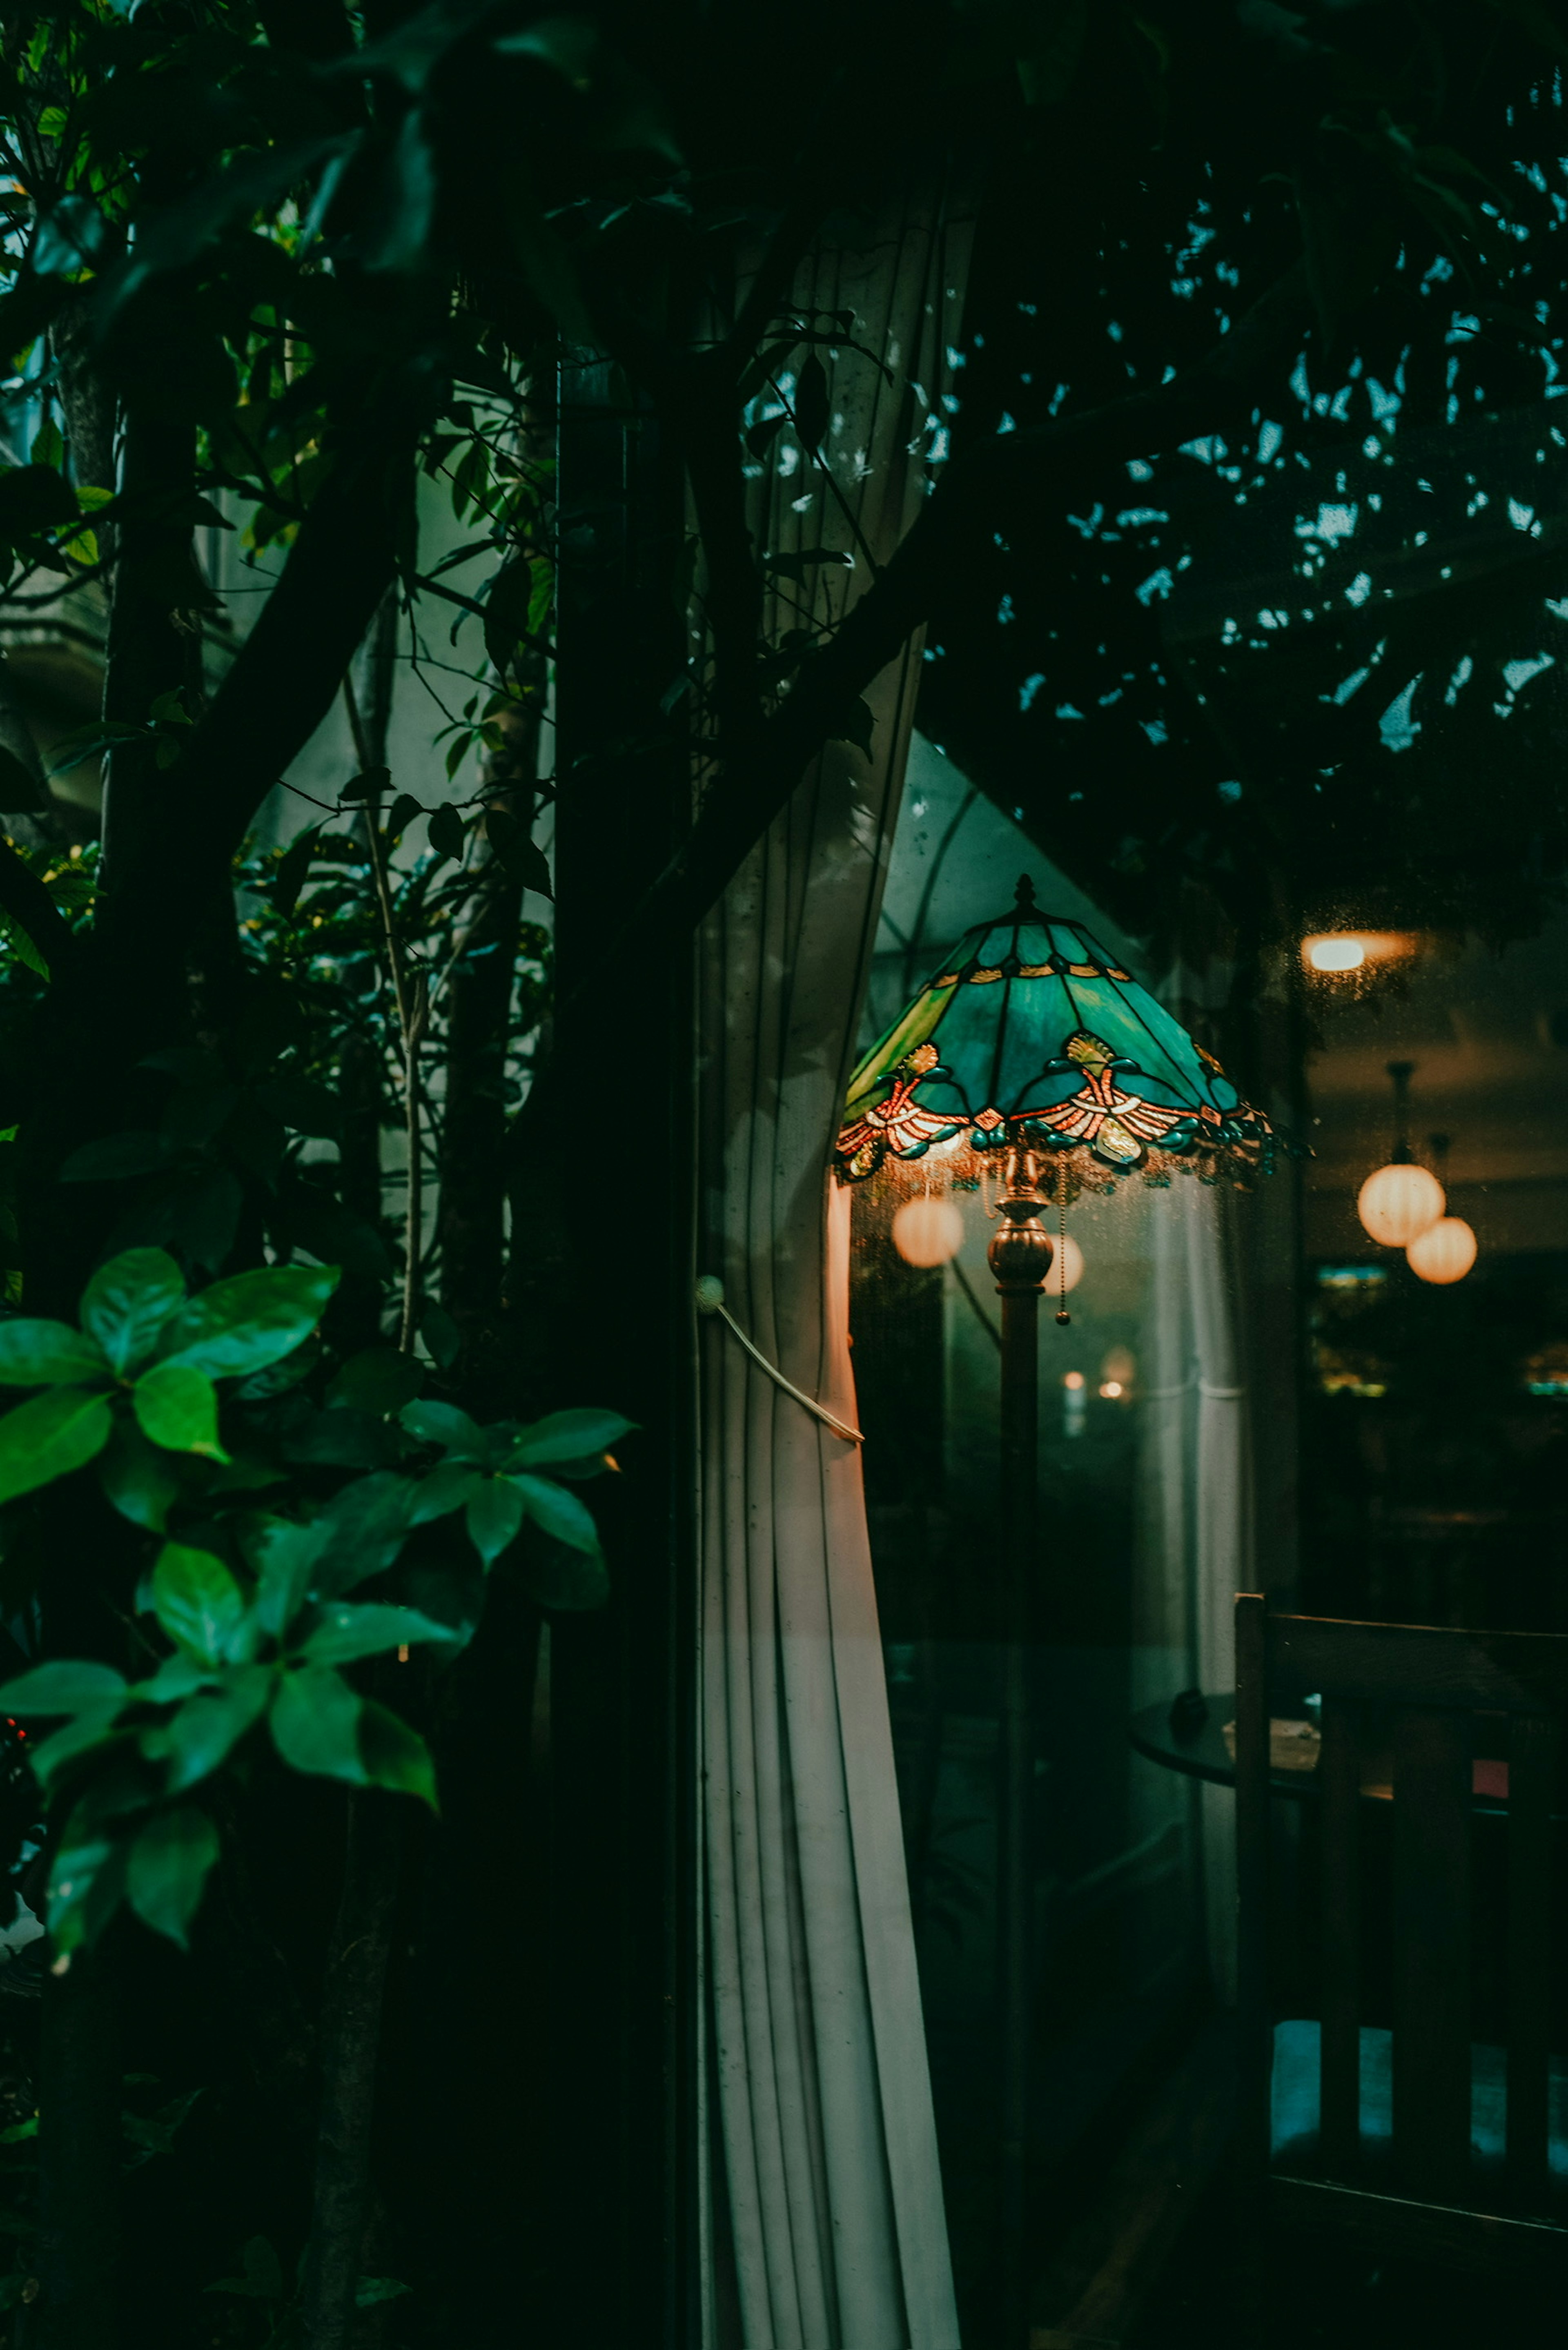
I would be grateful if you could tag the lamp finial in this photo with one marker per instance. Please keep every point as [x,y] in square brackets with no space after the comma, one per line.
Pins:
[1025,893]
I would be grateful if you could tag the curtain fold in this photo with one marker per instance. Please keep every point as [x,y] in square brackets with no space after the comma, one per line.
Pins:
[829,2216]
[1196,1518]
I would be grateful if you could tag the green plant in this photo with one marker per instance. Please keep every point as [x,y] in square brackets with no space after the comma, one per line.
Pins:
[260,1633]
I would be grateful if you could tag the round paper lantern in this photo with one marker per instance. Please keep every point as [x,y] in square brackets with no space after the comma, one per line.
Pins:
[1445,1252]
[927,1232]
[1397,1203]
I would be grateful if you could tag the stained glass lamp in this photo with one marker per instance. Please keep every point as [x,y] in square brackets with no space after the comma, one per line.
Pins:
[1031,1037]
[1034,1053]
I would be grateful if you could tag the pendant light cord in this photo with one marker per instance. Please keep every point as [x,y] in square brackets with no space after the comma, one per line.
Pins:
[711,1300]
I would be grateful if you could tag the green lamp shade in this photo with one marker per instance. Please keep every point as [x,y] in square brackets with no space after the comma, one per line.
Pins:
[1030,1035]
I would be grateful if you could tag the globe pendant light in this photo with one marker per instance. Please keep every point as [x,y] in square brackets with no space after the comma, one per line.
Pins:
[1397,1203]
[927,1232]
[1445,1251]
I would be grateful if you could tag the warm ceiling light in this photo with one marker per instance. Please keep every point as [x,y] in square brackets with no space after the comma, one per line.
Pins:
[1335,953]
[1445,1252]
[1073,1379]
[927,1232]
[1397,1203]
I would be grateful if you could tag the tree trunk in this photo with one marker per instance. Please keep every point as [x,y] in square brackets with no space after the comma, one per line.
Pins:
[154,639]
[79,2156]
[350,2040]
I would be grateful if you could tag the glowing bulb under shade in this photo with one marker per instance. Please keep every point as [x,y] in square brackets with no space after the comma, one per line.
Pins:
[1336,954]
[1067,1271]
[927,1232]
[1445,1252]
[1397,1203]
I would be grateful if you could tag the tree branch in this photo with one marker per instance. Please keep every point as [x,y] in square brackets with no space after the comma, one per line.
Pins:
[305,635]
[1006,480]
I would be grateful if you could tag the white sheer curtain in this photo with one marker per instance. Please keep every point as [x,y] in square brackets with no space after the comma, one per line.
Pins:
[827,2229]
[1195,1516]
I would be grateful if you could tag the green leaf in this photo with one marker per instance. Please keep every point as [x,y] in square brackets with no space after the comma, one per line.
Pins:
[93,1727]
[448,1486]
[68,1687]
[85,1882]
[441,1333]
[347,1633]
[241,1325]
[370,2289]
[207,1726]
[448,833]
[177,1406]
[115,1157]
[856,726]
[168,1869]
[560,1514]
[50,1436]
[404,808]
[138,1480]
[368,787]
[128,1300]
[341,1439]
[367,1526]
[435,1422]
[378,1379]
[314,1724]
[154,2133]
[576,1435]
[47,1353]
[293,870]
[284,1556]
[493,1516]
[69,236]
[177,1677]
[23,945]
[198,1603]
[394,1755]
[523,857]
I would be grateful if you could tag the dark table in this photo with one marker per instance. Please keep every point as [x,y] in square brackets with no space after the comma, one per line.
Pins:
[1204,1755]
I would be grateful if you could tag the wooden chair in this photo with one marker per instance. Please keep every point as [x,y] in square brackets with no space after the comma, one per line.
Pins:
[1437,2176]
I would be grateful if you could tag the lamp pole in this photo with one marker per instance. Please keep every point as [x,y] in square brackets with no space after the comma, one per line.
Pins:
[1019,1255]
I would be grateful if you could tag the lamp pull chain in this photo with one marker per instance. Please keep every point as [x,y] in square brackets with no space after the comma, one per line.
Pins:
[1062,1313]
[711,1300]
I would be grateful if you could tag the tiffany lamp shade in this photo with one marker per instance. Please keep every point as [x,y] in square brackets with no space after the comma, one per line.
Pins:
[1031,1040]
[1034,1053]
